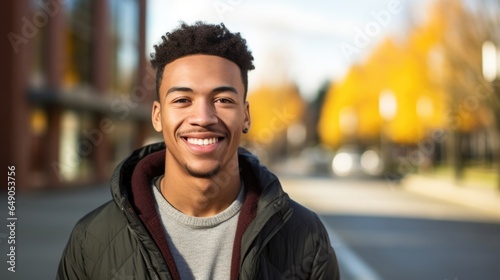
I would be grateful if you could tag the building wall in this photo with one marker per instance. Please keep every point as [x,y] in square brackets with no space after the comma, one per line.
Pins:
[78,89]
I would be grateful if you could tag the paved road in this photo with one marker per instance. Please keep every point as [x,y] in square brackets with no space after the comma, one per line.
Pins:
[409,248]
[382,232]
[378,230]
[45,221]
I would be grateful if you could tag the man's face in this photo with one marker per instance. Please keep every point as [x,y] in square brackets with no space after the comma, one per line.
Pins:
[201,113]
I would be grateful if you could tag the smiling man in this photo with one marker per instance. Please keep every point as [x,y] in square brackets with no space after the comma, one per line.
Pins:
[201,112]
[197,206]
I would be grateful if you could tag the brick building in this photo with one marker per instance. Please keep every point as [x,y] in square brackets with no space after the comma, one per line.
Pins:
[77,89]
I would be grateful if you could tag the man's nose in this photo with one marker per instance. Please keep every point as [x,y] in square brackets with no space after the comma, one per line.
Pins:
[203,114]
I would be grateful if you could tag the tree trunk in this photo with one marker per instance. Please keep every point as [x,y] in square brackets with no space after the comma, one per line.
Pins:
[458,164]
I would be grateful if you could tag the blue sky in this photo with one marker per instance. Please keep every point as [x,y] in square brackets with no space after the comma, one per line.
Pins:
[306,42]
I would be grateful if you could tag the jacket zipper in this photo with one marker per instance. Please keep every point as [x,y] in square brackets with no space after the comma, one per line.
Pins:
[144,251]
[131,216]
[271,234]
[285,218]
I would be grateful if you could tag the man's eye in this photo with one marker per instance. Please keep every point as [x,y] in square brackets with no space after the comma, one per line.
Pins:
[224,100]
[181,100]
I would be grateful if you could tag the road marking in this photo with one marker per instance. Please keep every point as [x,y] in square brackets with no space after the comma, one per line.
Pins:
[351,265]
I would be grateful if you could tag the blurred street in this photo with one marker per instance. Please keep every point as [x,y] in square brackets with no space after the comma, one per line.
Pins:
[44,223]
[383,231]
[379,230]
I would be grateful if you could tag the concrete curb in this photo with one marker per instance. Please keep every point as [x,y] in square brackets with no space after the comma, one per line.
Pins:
[480,198]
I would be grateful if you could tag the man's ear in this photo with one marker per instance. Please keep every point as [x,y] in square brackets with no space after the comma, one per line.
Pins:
[156,116]
[247,120]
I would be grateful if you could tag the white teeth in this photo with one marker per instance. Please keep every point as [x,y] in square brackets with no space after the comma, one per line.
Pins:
[203,142]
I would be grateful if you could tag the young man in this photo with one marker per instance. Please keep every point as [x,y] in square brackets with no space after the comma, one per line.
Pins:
[202,208]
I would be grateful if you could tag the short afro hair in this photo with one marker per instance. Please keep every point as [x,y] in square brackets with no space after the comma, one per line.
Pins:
[202,38]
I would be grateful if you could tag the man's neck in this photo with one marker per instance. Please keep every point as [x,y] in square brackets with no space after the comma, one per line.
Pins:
[200,197]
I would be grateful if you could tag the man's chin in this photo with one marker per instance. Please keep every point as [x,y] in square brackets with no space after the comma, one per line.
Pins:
[203,173]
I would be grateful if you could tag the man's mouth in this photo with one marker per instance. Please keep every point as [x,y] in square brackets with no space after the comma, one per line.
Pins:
[202,141]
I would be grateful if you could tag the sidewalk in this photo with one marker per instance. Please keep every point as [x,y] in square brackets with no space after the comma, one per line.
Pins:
[485,199]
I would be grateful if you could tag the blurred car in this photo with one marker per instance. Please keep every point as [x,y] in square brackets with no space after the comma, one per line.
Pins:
[354,161]
[317,160]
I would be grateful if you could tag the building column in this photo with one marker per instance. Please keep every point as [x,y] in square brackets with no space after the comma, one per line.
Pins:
[100,66]
[54,51]
[17,60]
[143,80]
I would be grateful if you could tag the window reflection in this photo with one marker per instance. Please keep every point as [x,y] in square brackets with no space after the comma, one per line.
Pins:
[77,47]
[125,36]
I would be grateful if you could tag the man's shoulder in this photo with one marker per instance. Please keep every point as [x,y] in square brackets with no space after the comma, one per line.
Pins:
[102,222]
[301,211]
[304,219]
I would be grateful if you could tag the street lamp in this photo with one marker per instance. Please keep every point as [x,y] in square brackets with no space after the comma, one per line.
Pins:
[491,73]
[387,107]
[490,63]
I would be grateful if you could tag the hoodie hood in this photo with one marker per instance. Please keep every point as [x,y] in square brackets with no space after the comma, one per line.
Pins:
[134,169]
[131,189]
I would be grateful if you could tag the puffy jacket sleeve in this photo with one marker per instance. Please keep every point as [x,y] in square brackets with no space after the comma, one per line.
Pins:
[71,265]
[325,264]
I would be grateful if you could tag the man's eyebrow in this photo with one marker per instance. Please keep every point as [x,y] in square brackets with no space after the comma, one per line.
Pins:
[214,91]
[183,89]
[224,88]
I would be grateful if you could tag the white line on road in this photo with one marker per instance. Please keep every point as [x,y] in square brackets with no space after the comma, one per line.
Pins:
[351,265]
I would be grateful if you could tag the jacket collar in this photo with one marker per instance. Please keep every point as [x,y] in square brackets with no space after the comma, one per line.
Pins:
[131,183]
[122,176]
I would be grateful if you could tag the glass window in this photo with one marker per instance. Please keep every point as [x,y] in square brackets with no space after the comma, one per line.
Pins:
[77,50]
[125,41]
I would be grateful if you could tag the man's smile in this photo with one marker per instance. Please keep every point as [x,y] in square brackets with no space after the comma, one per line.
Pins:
[203,141]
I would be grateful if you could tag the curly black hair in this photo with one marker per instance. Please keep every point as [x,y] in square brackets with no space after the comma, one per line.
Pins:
[202,38]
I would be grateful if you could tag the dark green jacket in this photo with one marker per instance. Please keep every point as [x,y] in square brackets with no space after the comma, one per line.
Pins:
[276,237]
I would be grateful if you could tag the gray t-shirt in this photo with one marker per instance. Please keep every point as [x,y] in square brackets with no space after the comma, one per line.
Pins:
[202,247]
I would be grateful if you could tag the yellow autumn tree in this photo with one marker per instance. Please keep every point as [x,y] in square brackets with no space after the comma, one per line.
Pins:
[273,108]
[352,109]
[460,45]
[471,106]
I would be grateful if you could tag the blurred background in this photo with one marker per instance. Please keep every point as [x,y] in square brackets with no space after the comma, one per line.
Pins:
[384,109]
[396,87]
